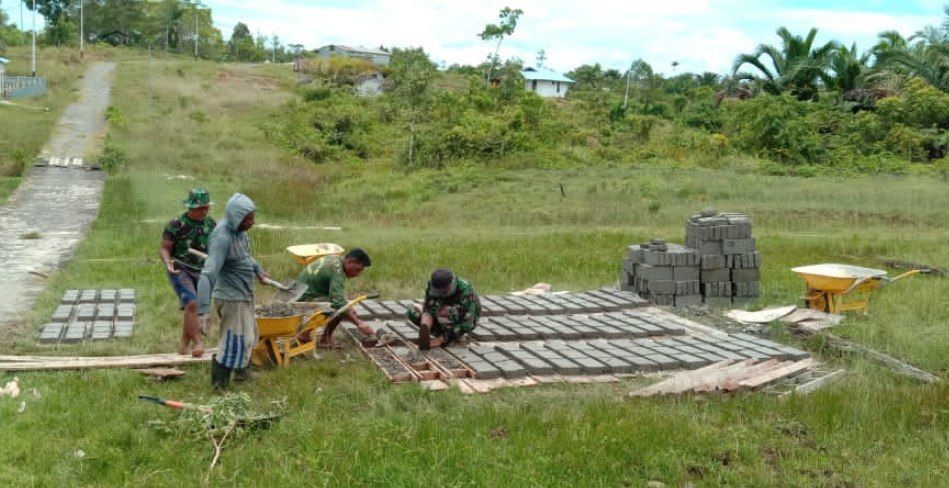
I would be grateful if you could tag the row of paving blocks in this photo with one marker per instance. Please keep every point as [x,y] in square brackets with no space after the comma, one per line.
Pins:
[548,303]
[91,315]
[629,340]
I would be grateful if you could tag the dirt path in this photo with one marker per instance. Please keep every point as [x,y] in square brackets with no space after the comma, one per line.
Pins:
[47,216]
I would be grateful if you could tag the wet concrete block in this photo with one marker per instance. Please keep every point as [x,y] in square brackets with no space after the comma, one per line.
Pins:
[62,314]
[546,306]
[101,330]
[738,246]
[484,370]
[105,311]
[716,275]
[127,295]
[125,311]
[592,366]
[641,363]
[629,298]
[686,300]
[88,296]
[51,332]
[662,361]
[107,296]
[510,305]
[690,361]
[510,368]
[70,297]
[75,331]
[86,312]
[490,307]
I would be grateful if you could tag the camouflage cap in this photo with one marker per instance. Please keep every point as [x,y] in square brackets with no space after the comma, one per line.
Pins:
[198,197]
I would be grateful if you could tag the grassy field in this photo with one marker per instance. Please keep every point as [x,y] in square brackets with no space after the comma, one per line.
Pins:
[27,127]
[505,229]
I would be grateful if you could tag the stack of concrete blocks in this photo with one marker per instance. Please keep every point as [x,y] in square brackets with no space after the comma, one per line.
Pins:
[664,274]
[731,266]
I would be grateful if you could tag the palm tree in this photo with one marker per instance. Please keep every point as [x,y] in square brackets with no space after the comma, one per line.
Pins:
[925,54]
[797,66]
[850,69]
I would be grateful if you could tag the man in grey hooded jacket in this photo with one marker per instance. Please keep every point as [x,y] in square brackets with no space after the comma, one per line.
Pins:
[228,277]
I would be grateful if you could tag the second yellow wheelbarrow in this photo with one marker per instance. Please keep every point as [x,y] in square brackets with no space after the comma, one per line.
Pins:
[836,288]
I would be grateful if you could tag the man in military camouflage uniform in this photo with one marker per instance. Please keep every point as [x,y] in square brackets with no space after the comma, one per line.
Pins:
[325,279]
[190,230]
[450,310]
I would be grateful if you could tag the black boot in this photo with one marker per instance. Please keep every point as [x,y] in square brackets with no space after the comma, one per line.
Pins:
[220,376]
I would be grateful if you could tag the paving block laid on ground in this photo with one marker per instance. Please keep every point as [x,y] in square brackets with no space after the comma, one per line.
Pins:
[91,315]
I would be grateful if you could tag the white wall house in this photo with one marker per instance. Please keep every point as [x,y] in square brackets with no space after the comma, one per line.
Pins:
[546,82]
[3,62]
[378,57]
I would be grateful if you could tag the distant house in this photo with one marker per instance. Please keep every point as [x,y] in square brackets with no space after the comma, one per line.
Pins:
[546,82]
[3,62]
[377,57]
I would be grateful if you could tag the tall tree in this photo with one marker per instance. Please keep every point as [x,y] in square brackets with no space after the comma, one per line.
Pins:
[797,66]
[411,78]
[498,31]
[850,69]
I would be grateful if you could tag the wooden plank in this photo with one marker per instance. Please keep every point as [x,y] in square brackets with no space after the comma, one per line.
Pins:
[814,384]
[97,363]
[684,378]
[775,374]
[732,380]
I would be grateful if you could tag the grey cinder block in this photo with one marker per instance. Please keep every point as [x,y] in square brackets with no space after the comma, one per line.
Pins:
[715,275]
[738,246]
[749,274]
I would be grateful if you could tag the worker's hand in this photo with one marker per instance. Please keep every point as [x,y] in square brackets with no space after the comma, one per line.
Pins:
[263,276]
[365,329]
[437,342]
[170,266]
[204,322]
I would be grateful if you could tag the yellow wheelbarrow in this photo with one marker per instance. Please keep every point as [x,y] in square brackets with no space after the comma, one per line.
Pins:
[836,288]
[278,335]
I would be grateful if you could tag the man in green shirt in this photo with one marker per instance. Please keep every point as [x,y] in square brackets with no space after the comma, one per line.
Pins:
[325,279]
[191,230]
[450,310]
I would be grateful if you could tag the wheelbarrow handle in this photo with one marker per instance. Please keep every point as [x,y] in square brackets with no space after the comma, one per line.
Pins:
[905,275]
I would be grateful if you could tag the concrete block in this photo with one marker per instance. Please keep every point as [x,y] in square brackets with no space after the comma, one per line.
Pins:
[107,296]
[484,370]
[717,289]
[651,272]
[88,296]
[635,253]
[661,287]
[510,369]
[746,289]
[738,246]
[715,275]
[628,298]
[748,274]
[662,361]
[127,295]
[662,300]
[690,361]
[62,314]
[685,273]
[51,332]
[75,331]
[741,261]
[686,300]
[70,297]
[85,312]
[687,287]
[105,311]
[125,311]
[641,363]
[592,366]
[713,261]
[714,247]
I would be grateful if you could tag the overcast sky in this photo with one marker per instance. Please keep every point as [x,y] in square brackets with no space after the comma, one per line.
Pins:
[702,35]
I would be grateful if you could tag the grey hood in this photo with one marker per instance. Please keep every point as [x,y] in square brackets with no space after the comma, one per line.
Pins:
[238,206]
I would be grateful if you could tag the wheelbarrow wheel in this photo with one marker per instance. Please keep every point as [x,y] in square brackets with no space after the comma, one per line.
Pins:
[817,300]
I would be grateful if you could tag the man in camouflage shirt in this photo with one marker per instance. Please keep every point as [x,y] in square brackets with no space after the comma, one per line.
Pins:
[450,310]
[325,279]
[190,231]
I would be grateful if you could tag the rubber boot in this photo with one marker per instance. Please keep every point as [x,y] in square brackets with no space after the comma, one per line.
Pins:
[220,376]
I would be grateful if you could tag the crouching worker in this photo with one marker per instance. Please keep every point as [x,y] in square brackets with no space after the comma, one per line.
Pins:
[325,279]
[450,310]
[228,277]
